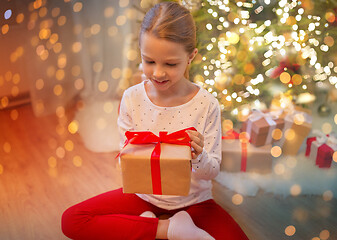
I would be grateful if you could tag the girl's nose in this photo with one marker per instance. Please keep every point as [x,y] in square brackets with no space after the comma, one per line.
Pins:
[158,72]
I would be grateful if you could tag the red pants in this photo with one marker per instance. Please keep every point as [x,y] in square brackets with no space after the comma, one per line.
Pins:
[115,215]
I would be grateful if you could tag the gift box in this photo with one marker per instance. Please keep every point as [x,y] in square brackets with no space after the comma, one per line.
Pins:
[321,149]
[297,126]
[156,165]
[240,155]
[260,126]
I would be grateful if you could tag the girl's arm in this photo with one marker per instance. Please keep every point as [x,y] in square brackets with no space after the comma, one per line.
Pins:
[124,121]
[208,146]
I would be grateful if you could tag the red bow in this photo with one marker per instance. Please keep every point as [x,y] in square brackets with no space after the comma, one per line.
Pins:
[284,64]
[146,137]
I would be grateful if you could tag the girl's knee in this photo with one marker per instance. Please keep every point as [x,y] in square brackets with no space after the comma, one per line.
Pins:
[69,222]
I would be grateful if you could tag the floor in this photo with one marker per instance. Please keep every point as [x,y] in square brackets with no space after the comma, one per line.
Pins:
[44,169]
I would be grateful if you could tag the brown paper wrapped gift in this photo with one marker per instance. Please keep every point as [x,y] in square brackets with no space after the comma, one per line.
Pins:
[260,126]
[296,128]
[258,159]
[175,169]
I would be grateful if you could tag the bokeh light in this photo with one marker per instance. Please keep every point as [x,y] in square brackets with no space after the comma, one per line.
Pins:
[108,107]
[289,134]
[109,12]
[79,83]
[121,20]
[7,147]
[101,123]
[227,125]
[8,14]
[77,161]
[276,151]
[58,89]
[14,114]
[77,47]
[279,169]
[324,235]
[60,74]
[52,162]
[123,3]
[61,20]
[5,29]
[116,73]
[20,17]
[277,134]
[73,127]
[327,195]
[60,152]
[295,190]
[326,128]
[77,7]
[60,129]
[290,230]
[55,12]
[69,145]
[97,67]
[285,77]
[103,86]
[299,118]
[39,84]
[237,199]
[60,112]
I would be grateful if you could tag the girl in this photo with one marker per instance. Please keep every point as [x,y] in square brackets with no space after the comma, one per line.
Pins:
[166,101]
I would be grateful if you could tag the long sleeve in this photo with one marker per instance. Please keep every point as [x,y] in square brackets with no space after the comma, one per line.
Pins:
[207,165]
[124,120]
[138,113]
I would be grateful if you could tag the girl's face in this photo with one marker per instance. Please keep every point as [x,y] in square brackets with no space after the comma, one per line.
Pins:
[164,62]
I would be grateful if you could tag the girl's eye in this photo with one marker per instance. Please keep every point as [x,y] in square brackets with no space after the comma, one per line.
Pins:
[171,64]
[149,62]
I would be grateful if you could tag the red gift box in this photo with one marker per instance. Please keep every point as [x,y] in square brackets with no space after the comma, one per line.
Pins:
[321,149]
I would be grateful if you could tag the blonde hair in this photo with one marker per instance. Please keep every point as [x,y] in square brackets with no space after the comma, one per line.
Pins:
[173,22]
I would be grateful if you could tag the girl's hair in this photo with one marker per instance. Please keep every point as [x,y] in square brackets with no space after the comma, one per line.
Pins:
[171,21]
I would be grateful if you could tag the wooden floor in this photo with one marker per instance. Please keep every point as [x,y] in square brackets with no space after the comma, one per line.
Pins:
[41,175]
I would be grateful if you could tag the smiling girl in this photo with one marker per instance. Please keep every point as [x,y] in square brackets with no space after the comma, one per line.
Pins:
[165,101]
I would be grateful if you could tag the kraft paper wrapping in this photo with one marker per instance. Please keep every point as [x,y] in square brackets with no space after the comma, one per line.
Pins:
[295,132]
[259,159]
[175,169]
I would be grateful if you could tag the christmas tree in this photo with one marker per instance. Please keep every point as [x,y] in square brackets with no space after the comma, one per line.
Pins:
[251,50]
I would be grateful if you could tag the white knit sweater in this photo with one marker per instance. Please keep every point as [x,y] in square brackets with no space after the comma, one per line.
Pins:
[138,113]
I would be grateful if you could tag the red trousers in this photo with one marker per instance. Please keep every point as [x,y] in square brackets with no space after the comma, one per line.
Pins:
[115,215]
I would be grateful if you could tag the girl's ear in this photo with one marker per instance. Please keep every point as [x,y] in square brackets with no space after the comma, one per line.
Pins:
[192,55]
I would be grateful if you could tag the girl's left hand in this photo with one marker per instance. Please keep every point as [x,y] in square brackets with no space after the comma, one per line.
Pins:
[197,142]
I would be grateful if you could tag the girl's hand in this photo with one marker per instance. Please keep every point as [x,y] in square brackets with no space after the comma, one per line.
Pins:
[197,142]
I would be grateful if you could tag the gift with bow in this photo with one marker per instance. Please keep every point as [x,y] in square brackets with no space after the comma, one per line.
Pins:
[321,148]
[260,126]
[297,127]
[240,155]
[154,164]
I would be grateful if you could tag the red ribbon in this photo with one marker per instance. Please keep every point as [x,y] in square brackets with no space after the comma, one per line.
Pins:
[309,143]
[235,135]
[146,137]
